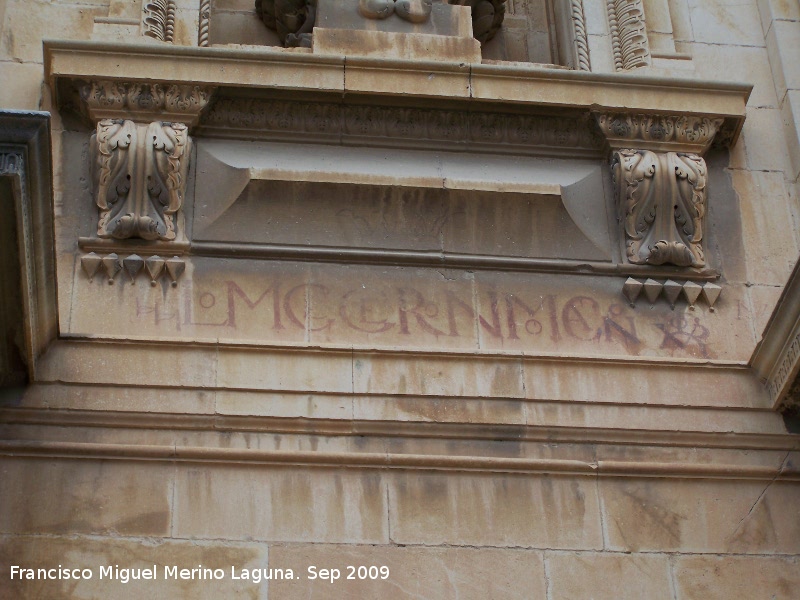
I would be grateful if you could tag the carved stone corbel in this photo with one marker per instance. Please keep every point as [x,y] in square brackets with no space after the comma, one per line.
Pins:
[662,201]
[140,175]
[660,179]
[141,151]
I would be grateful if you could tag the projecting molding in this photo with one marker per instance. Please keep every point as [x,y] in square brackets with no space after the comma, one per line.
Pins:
[776,359]
[462,86]
[25,158]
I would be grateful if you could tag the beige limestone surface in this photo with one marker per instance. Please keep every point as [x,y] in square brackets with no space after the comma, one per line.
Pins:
[483,434]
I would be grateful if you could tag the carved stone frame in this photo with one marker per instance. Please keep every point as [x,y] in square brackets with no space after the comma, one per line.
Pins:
[25,158]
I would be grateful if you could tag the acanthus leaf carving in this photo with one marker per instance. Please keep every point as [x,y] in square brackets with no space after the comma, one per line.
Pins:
[186,98]
[145,96]
[140,177]
[686,132]
[104,95]
[109,99]
[662,203]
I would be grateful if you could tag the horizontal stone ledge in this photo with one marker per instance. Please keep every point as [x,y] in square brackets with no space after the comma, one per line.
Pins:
[500,430]
[130,343]
[208,365]
[255,68]
[443,259]
[131,452]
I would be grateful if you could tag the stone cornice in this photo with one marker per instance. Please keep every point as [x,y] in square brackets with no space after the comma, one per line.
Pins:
[776,359]
[528,87]
[404,461]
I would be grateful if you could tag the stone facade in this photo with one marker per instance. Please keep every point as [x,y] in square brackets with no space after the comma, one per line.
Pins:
[464,299]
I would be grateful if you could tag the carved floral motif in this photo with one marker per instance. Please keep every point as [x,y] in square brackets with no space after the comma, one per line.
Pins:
[693,130]
[140,177]
[117,96]
[662,202]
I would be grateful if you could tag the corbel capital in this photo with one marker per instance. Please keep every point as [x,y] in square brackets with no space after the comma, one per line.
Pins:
[659,133]
[143,102]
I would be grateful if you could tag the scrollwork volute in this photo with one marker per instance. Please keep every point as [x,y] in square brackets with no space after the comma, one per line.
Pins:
[140,178]
[662,203]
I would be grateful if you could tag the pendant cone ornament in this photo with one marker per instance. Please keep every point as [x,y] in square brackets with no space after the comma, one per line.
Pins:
[132,265]
[631,290]
[672,290]
[711,292]
[175,268]
[652,289]
[90,264]
[154,266]
[112,265]
[692,292]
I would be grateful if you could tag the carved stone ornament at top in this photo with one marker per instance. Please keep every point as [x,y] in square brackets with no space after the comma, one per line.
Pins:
[293,20]
[487,17]
[689,133]
[413,11]
[144,101]
[662,203]
[139,177]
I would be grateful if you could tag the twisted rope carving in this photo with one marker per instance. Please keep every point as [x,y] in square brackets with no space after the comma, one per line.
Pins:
[205,23]
[581,41]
